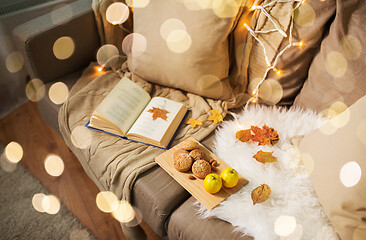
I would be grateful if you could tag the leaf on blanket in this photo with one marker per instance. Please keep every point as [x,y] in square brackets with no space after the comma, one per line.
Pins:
[194,122]
[216,116]
[265,157]
[264,136]
[261,194]
[158,113]
[244,135]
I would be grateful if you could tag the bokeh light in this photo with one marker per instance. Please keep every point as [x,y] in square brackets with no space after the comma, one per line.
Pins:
[361,131]
[194,5]
[137,3]
[335,64]
[107,201]
[14,62]
[271,91]
[295,235]
[327,128]
[179,41]
[124,213]
[117,13]
[81,137]
[350,174]
[339,114]
[170,25]
[37,202]
[308,162]
[13,152]
[51,204]
[63,47]
[58,93]
[61,14]
[54,165]
[35,90]
[284,225]
[351,47]
[210,84]
[225,8]
[305,15]
[134,44]
[107,55]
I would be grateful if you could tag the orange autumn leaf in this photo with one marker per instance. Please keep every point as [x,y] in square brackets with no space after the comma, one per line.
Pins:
[244,135]
[261,194]
[158,113]
[264,136]
[216,116]
[264,157]
[194,122]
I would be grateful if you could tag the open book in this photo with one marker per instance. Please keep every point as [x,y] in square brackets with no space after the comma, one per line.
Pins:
[129,112]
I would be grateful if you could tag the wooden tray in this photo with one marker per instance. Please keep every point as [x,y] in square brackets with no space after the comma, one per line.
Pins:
[195,187]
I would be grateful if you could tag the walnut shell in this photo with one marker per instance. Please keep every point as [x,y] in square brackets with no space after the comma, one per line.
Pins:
[197,154]
[201,168]
[182,160]
[189,145]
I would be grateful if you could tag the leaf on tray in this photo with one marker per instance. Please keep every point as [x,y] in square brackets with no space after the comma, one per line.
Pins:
[265,157]
[261,194]
[158,113]
[194,122]
[264,136]
[244,135]
[216,116]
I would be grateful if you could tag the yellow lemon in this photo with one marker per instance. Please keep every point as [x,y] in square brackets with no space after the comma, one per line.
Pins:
[230,177]
[212,183]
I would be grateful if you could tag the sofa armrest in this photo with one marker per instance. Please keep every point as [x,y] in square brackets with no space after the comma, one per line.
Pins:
[35,40]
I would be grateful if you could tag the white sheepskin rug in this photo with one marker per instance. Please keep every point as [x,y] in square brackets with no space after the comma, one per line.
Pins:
[293,206]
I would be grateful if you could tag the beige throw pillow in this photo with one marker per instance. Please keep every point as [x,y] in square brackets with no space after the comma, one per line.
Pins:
[338,72]
[311,21]
[184,44]
[336,160]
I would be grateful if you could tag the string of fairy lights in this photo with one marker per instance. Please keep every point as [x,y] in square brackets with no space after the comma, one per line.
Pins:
[291,43]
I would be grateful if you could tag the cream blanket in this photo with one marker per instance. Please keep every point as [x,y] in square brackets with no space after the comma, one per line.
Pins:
[111,162]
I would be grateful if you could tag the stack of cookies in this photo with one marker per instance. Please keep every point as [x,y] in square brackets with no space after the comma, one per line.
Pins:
[190,156]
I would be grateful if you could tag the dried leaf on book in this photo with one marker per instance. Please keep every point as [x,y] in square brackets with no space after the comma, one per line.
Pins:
[194,122]
[216,116]
[265,157]
[158,113]
[261,194]
[244,135]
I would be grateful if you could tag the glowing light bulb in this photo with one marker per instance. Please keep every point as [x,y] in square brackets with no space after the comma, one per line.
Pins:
[99,69]
[279,72]
[254,101]
[301,43]
[254,7]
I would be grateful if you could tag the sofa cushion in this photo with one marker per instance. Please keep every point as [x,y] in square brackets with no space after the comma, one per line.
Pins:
[179,45]
[185,223]
[338,170]
[311,21]
[338,71]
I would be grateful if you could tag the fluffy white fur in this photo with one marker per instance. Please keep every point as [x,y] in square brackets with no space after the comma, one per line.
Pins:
[292,191]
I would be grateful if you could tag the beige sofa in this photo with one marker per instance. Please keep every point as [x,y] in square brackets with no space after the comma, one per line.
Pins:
[164,204]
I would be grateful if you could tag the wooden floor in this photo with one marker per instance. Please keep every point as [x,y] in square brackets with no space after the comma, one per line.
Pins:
[75,190]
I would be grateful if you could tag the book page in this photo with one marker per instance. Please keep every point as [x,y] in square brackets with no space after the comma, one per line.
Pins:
[123,104]
[155,129]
